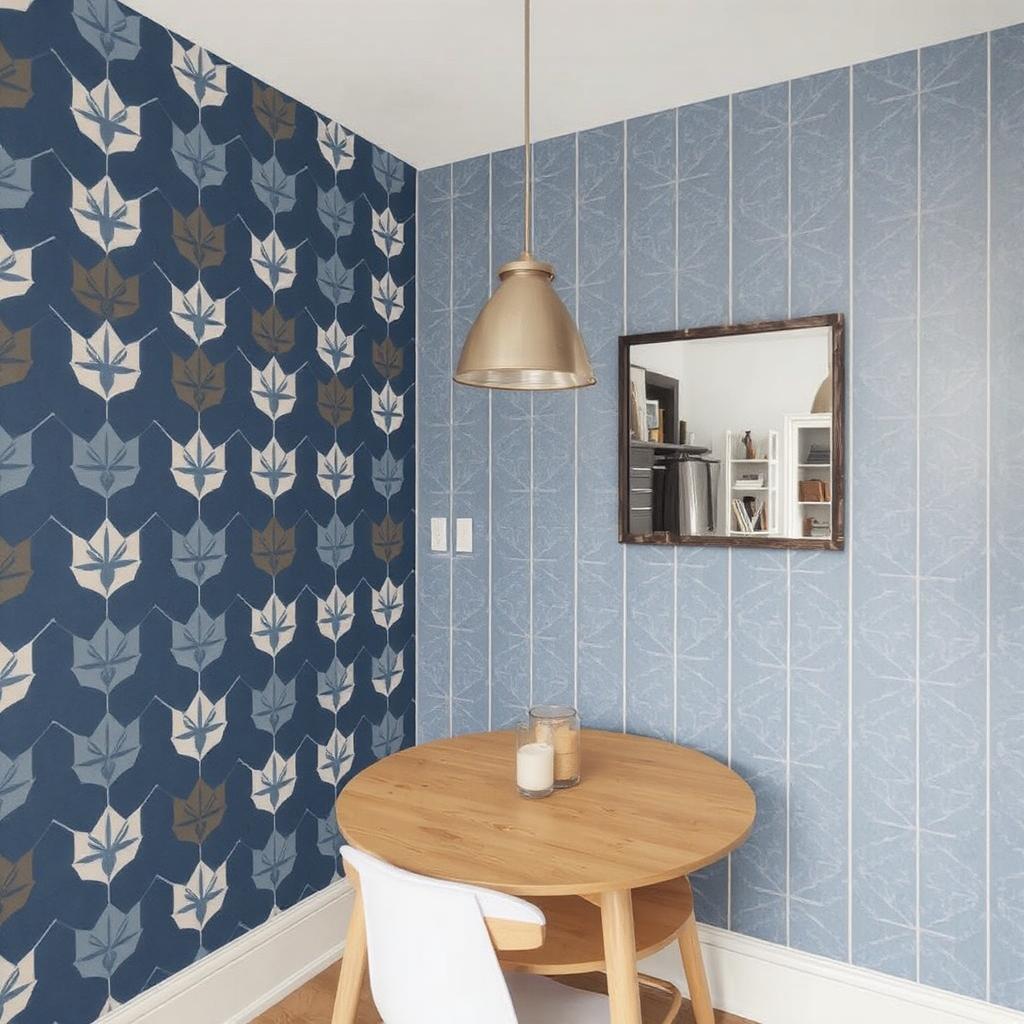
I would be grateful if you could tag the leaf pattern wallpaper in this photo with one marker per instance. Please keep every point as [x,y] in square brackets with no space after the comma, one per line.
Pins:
[206,498]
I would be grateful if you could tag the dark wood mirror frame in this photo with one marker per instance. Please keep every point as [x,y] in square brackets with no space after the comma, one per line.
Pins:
[836,541]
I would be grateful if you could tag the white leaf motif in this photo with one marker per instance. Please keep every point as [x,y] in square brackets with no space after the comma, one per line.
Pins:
[388,604]
[15,270]
[273,626]
[197,314]
[337,144]
[105,849]
[199,74]
[273,469]
[198,729]
[388,234]
[273,390]
[335,613]
[198,466]
[103,215]
[335,757]
[388,298]
[273,784]
[15,674]
[104,119]
[336,348]
[272,262]
[335,471]
[103,363]
[200,897]
[19,979]
[106,561]
[388,409]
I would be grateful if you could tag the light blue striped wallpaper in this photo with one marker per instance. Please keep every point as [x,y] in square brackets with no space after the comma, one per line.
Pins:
[873,698]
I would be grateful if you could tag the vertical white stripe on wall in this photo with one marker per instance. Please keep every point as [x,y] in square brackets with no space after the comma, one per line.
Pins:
[789,554]
[728,595]
[675,551]
[625,306]
[988,516]
[917,555]
[490,463]
[451,450]
[576,442]
[849,544]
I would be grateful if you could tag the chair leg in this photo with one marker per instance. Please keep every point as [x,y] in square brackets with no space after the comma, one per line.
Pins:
[353,967]
[696,978]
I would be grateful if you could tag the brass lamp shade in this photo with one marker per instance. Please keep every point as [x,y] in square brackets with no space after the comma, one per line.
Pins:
[524,338]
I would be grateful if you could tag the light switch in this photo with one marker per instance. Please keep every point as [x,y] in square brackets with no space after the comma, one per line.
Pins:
[464,535]
[439,534]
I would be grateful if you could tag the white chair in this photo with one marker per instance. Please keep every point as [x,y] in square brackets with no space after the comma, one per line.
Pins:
[431,951]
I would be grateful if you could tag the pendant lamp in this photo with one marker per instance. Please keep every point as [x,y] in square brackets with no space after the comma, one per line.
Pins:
[524,338]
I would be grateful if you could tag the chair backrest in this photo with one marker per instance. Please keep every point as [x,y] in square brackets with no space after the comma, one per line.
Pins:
[431,955]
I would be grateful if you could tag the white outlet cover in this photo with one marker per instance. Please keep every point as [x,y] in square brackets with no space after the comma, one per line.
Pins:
[439,534]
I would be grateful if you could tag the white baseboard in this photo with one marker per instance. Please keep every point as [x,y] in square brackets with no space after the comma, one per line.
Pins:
[749,977]
[775,985]
[238,982]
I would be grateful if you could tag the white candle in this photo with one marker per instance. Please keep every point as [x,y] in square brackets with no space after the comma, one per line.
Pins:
[535,767]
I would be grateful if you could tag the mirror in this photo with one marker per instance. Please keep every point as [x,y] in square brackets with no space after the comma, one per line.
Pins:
[733,435]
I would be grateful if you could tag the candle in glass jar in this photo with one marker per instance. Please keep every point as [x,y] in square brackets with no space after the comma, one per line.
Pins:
[559,726]
[535,767]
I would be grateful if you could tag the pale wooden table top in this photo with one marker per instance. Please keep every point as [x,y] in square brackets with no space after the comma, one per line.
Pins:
[646,811]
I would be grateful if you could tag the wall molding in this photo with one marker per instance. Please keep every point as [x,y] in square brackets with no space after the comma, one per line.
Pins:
[773,984]
[237,982]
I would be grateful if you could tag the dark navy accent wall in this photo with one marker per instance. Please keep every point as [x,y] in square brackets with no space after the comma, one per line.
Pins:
[206,498]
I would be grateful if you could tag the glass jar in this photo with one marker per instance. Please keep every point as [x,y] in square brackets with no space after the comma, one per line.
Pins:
[535,762]
[559,726]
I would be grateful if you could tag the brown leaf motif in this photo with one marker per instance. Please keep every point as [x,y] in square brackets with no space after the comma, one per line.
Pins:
[198,240]
[15,354]
[272,332]
[388,360]
[199,813]
[103,290]
[388,538]
[274,112]
[198,382]
[15,568]
[273,548]
[335,402]
[15,80]
[16,883]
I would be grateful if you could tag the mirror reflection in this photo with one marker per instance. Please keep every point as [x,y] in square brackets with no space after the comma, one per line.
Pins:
[731,436]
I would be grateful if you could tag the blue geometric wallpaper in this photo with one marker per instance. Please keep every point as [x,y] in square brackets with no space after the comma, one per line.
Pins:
[873,697]
[206,498]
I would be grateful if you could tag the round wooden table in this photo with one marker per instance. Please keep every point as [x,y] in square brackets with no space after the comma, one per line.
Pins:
[606,860]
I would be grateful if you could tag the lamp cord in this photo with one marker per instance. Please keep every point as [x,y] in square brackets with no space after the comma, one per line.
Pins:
[527,156]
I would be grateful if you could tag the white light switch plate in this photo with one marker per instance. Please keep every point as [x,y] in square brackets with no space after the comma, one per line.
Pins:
[464,535]
[439,534]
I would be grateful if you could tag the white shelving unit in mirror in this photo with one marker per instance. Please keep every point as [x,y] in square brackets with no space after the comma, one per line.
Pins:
[808,477]
[753,484]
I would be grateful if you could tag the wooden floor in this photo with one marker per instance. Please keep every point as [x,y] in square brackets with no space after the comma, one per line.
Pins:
[312,1004]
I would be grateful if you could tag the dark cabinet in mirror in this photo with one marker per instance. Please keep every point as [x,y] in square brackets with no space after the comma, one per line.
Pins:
[733,435]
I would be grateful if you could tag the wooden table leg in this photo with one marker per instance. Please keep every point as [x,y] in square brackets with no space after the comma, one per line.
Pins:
[353,966]
[620,957]
[696,978]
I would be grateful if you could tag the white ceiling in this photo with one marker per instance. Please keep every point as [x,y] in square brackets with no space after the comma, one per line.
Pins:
[438,80]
